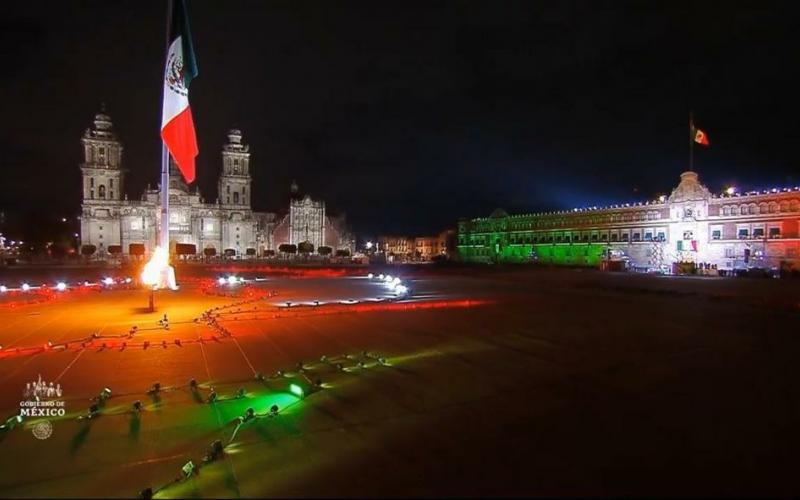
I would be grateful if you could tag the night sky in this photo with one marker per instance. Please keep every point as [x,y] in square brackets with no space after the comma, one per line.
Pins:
[409,115]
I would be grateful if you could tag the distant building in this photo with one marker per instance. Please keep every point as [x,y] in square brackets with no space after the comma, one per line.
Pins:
[112,223]
[421,248]
[730,231]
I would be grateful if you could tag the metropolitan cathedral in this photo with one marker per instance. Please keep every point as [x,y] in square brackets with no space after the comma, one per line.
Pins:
[112,223]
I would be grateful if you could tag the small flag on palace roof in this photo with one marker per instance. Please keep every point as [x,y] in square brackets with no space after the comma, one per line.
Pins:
[700,136]
[177,126]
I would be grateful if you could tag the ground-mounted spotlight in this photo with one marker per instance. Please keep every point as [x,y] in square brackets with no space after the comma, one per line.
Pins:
[388,278]
[380,277]
[128,280]
[104,394]
[273,411]
[259,376]
[396,281]
[221,280]
[25,287]
[297,390]
[212,397]
[192,383]
[11,422]
[240,393]
[370,276]
[232,280]
[146,494]
[323,359]
[188,468]
[61,286]
[94,411]
[108,281]
[401,289]
[154,389]
[137,406]
[249,415]
[215,451]
[300,367]
[3,289]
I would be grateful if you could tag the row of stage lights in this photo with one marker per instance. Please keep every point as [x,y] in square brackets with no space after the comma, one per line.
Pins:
[235,280]
[62,286]
[393,283]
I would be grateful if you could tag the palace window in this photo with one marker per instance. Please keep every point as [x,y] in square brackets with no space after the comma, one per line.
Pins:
[716,234]
[91,182]
[102,192]
[111,183]
[730,252]
[743,233]
[111,195]
[594,237]
[661,236]
[775,232]
[758,232]
[624,236]
[637,237]
[91,194]
[235,197]
[648,236]
[614,237]
[604,237]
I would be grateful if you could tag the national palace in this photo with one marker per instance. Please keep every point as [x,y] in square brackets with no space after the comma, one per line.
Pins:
[691,225]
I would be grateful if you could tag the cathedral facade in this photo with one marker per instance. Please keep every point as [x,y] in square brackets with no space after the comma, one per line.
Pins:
[113,224]
[729,231]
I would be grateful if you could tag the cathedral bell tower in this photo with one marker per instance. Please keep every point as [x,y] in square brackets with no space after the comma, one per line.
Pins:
[102,161]
[234,182]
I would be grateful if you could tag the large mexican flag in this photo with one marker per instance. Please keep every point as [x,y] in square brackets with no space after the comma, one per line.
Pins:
[177,126]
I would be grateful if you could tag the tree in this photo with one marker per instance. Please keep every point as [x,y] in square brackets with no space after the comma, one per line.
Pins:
[305,247]
[210,252]
[136,249]
[185,249]
[324,250]
[115,249]
[230,252]
[269,253]
[250,251]
[88,250]
[287,248]
[344,252]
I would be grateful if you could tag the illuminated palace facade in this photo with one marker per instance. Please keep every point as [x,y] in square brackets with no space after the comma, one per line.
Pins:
[729,231]
[111,223]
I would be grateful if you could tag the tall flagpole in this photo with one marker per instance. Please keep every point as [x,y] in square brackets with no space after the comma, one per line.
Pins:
[691,142]
[164,236]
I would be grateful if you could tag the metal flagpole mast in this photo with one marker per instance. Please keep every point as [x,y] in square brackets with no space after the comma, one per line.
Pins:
[164,236]
[691,142]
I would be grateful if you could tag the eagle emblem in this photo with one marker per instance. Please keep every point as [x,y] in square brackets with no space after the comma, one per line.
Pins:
[174,77]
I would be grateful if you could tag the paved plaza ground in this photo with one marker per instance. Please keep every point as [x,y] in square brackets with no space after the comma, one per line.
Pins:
[496,381]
